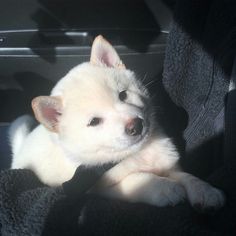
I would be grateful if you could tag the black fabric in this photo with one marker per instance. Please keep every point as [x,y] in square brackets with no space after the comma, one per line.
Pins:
[83,179]
[230,124]
[30,208]
[4,146]
[196,80]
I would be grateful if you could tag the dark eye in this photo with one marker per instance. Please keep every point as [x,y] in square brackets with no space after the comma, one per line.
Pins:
[123,95]
[95,121]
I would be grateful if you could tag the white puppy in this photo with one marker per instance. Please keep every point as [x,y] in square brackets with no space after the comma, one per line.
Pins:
[99,113]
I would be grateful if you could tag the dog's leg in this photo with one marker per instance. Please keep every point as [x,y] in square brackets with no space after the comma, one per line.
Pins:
[146,188]
[158,157]
[200,194]
[118,172]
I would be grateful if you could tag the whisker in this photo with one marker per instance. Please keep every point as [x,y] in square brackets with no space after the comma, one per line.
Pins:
[150,83]
[144,78]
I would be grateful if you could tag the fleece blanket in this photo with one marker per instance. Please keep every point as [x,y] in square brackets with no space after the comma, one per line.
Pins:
[197,110]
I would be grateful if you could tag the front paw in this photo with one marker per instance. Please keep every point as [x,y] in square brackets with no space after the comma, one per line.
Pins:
[147,188]
[168,193]
[203,196]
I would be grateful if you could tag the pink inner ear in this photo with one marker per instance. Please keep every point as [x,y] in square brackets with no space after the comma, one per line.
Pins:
[50,113]
[106,58]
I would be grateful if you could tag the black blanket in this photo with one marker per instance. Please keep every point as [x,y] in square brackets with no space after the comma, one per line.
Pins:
[30,208]
[198,64]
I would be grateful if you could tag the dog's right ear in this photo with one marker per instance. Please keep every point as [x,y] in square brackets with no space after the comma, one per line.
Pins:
[47,111]
[103,54]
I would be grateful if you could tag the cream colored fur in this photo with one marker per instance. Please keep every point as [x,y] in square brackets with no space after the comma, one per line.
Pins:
[148,162]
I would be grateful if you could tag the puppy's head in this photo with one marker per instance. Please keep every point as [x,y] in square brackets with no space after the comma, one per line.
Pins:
[98,112]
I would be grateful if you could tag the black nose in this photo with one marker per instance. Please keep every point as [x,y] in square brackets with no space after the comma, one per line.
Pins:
[134,127]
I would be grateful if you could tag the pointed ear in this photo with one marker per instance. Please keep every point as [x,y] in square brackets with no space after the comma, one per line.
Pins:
[47,111]
[103,54]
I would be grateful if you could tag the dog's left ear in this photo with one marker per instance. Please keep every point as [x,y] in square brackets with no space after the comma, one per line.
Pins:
[47,110]
[103,54]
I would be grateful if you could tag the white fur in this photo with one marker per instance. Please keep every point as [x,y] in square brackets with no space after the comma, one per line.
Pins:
[147,169]
[18,131]
[148,188]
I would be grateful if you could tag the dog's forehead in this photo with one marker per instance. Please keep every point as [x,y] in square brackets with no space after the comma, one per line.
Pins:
[87,85]
[91,89]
